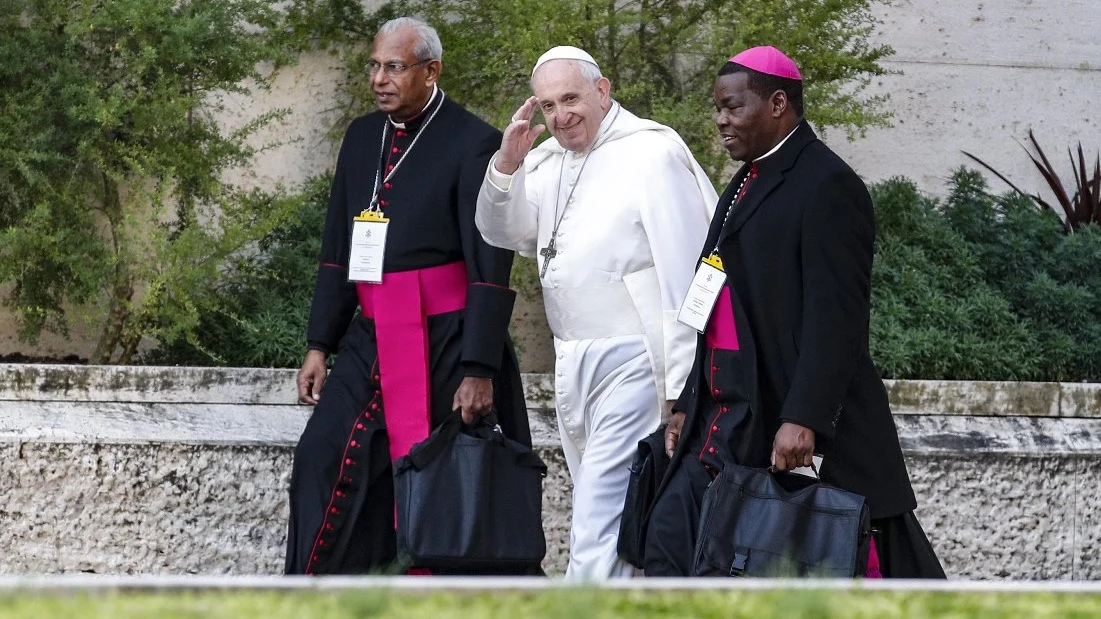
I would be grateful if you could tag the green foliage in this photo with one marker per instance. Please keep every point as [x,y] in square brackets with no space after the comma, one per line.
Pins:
[982,287]
[258,311]
[111,170]
[933,315]
[1050,279]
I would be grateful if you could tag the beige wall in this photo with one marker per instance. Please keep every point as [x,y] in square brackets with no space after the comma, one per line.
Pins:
[976,76]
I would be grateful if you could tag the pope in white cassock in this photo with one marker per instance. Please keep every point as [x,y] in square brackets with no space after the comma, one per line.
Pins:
[615,209]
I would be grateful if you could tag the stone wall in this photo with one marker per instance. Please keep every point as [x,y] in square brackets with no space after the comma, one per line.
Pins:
[185,470]
[976,75]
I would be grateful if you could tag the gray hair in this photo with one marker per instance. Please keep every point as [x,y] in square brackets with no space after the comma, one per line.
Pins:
[428,46]
[589,71]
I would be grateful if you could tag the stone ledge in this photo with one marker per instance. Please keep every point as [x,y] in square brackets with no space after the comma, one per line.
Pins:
[281,425]
[201,385]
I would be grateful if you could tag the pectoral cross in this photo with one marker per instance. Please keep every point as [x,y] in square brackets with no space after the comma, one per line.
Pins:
[547,253]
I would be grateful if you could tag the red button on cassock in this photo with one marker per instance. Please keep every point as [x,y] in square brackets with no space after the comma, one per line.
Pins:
[711,450]
[714,428]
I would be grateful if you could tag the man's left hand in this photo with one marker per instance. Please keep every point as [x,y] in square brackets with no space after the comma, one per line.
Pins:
[474,397]
[793,446]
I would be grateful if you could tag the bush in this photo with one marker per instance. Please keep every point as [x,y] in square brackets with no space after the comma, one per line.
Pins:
[113,203]
[933,315]
[983,287]
[262,303]
[1050,278]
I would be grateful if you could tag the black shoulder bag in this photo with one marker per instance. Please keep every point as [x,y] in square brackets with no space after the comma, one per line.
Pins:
[755,522]
[470,498]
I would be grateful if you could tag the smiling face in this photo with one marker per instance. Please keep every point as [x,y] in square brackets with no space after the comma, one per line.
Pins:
[572,104]
[749,124]
[404,95]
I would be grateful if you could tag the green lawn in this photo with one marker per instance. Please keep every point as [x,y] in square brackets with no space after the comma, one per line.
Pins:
[556,604]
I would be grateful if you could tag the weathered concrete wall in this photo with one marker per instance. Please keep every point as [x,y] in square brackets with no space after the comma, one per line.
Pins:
[185,470]
[976,76]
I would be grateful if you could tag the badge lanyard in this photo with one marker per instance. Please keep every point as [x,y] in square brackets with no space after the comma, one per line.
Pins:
[369,228]
[708,282]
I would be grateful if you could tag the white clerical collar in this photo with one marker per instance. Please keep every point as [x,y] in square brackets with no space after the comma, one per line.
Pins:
[777,147]
[432,98]
[602,130]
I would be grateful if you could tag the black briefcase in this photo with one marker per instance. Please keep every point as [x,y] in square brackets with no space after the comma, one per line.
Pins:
[647,471]
[469,498]
[755,522]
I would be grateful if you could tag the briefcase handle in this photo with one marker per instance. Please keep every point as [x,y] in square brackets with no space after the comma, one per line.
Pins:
[486,428]
[772,469]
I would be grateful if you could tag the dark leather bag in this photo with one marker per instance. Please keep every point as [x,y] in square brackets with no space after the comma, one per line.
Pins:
[647,470]
[755,522]
[469,498]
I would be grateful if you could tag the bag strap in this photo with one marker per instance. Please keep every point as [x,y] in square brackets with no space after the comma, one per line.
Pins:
[486,428]
[428,450]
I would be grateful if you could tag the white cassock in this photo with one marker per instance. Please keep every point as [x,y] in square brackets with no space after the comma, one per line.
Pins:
[627,246]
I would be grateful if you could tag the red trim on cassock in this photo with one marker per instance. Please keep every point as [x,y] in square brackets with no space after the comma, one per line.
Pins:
[491,285]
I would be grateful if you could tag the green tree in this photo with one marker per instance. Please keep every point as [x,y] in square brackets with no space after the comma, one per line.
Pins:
[112,195]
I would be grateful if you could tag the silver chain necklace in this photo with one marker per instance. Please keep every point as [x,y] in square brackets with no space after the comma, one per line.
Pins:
[382,154]
[550,251]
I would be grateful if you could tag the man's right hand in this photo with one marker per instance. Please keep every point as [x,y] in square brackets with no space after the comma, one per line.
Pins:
[311,378]
[519,136]
[672,432]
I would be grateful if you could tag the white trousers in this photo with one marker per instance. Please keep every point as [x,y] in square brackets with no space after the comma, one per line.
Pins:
[606,399]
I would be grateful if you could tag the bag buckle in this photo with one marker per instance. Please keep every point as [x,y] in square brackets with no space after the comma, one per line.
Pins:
[737,567]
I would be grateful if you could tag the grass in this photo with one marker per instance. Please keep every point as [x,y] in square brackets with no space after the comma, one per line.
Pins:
[558,604]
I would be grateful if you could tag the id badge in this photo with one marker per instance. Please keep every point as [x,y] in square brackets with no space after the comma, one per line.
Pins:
[702,295]
[368,247]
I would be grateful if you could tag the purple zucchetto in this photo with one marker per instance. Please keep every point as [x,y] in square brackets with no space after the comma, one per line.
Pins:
[768,60]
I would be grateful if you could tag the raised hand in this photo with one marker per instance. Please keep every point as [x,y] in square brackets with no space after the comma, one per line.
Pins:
[519,136]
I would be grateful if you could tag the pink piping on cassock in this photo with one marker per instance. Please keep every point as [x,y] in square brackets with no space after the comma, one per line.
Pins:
[400,307]
[873,562]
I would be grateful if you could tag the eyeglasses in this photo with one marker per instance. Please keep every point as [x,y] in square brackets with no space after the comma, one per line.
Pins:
[392,68]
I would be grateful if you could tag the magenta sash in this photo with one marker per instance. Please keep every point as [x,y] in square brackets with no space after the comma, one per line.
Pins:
[873,570]
[721,332]
[400,307]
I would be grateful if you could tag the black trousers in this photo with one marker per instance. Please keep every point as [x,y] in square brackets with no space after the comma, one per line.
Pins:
[904,550]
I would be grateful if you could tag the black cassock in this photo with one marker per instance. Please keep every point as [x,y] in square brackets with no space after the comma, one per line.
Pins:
[341,495]
[797,251]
